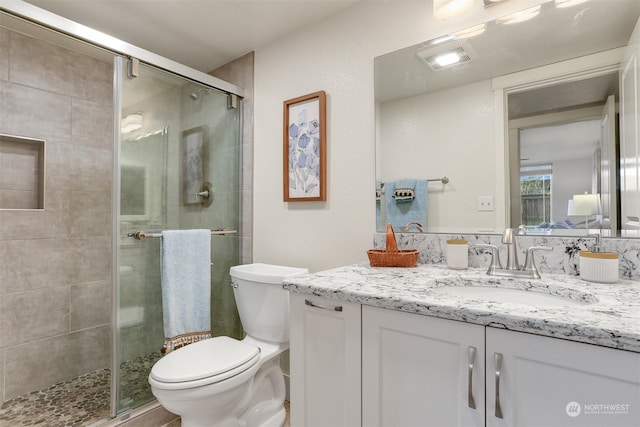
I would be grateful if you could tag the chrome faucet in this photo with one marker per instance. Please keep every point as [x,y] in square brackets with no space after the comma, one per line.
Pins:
[509,239]
[513,268]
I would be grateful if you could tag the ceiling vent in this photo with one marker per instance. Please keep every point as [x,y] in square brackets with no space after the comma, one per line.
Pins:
[447,55]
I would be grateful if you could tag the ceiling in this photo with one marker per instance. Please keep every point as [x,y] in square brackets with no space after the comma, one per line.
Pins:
[556,34]
[202,34]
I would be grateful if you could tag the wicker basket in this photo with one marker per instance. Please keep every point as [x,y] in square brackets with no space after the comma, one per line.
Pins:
[391,256]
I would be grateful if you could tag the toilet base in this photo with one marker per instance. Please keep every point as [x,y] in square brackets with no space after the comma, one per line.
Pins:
[257,403]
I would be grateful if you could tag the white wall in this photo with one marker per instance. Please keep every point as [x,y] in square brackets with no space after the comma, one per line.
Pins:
[335,55]
[417,138]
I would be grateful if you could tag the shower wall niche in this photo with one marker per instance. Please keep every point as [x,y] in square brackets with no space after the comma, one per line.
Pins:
[21,173]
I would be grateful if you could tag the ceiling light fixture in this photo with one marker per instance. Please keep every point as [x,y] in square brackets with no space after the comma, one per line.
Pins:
[444,57]
[523,15]
[131,122]
[447,59]
[447,9]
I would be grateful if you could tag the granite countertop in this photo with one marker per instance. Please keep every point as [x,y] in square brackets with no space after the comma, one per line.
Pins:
[601,314]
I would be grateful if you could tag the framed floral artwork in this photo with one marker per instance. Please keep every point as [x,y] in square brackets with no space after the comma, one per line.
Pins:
[304,151]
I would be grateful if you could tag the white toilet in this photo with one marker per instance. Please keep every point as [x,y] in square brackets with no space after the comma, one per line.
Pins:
[225,382]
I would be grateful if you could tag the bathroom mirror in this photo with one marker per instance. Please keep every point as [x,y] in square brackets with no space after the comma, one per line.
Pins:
[458,122]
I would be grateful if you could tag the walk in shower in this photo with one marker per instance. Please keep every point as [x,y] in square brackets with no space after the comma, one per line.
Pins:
[126,149]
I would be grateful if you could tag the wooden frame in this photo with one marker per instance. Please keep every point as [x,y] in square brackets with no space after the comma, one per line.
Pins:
[305,148]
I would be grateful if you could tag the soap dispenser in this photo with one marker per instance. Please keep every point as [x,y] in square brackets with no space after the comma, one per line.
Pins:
[597,265]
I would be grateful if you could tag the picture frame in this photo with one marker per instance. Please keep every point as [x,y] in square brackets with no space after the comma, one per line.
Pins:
[305,148]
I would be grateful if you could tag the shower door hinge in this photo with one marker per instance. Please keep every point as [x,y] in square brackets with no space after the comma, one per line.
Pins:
[232,101]
[134,68]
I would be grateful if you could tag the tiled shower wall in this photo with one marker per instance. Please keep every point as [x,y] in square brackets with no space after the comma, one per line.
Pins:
[224,315]
[55,264]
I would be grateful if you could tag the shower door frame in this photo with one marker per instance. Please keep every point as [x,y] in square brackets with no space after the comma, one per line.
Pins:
[96,38]
[122,51]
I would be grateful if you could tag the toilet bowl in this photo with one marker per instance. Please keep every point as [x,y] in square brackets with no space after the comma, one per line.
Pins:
[225,382]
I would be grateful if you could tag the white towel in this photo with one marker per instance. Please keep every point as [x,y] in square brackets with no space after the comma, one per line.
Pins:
[186,286]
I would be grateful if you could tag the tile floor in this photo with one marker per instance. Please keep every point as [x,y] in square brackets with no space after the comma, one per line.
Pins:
[82,401]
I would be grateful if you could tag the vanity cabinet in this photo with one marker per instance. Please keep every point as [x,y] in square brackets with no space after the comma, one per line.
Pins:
[420,370]
[325,339]
[539,381]
[416,370]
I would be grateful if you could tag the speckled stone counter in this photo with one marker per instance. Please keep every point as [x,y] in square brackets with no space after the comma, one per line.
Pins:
[607,315]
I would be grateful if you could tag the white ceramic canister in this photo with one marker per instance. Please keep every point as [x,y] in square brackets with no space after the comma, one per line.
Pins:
[457,254]
[601,267]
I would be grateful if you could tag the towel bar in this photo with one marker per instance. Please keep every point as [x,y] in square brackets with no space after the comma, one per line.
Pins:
[142,235]
[444,180]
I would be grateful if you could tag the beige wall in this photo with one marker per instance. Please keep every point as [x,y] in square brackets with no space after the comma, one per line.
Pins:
[335,55]
[55,269]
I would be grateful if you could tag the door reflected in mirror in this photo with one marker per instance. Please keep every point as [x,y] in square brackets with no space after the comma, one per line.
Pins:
[564,143]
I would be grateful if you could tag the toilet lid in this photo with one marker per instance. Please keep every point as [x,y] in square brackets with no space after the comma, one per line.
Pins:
[203,359]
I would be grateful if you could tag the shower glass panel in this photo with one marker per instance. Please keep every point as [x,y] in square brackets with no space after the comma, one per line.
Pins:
[175,136]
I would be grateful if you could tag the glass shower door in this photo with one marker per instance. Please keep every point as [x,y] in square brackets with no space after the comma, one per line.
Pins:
[177,139]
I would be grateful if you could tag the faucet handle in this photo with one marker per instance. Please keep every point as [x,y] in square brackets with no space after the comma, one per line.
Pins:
[530,261]
[495,257]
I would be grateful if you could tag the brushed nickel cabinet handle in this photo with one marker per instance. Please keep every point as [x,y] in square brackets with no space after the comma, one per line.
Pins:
[497,357]
[324,307]
[472,361]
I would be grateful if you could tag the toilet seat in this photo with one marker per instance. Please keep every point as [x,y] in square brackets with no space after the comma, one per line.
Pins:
[204,362]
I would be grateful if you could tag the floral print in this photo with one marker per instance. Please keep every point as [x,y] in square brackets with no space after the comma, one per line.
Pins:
[304,155]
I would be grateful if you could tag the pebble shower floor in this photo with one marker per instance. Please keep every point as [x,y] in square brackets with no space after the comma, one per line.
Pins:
[79,402]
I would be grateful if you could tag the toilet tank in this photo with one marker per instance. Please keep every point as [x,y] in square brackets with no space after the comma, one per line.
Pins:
[263,304]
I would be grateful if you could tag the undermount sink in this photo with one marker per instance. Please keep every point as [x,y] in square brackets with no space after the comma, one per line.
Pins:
[516,296]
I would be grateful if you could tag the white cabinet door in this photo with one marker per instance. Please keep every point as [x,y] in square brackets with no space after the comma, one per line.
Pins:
[543,381]
[421,371]
[325,347]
